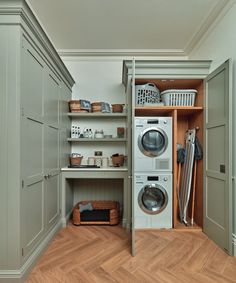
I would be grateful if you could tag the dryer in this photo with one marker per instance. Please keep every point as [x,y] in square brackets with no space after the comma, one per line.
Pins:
[153,201]
[153,144]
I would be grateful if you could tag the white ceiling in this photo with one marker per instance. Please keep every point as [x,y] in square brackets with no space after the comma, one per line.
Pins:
[164,25]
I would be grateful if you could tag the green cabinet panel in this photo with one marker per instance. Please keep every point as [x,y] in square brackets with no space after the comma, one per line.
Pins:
[32,222]
[52,199]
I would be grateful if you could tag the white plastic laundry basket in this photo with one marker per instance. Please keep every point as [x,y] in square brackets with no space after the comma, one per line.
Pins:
[147,94]
[179,97]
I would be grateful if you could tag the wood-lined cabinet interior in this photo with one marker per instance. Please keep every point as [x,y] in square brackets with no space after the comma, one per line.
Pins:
[183,118]
[212,114]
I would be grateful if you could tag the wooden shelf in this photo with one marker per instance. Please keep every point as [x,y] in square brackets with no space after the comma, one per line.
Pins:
[97,140]
[96,115]
[166,110]
[102,169]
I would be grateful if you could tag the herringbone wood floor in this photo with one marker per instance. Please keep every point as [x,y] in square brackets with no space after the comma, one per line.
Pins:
[91,254]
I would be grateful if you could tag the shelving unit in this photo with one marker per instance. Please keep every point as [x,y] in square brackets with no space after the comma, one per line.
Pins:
[97,140]
[184,118]
[96,115]
[104,187]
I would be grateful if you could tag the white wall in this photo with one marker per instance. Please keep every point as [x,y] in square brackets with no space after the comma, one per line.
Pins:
[218,45]
[98,80]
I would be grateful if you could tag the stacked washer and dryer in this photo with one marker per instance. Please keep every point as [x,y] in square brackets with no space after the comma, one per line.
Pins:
[152,172]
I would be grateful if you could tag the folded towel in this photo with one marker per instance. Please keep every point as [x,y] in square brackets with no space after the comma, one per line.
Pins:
[83,207]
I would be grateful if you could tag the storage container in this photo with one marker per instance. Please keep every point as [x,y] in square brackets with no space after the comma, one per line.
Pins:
[147,94]
[179,97]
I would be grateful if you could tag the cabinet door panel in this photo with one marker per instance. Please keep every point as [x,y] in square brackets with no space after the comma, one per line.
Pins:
[32,82]
[52,199]
[51,149]
[218,158]
[32,157]
[51,101]
[32,215]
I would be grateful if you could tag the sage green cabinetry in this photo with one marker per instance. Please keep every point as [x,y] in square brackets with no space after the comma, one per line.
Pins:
[35,89]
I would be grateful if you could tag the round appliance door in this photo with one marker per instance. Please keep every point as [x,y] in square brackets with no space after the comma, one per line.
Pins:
[153,198]
[152,142]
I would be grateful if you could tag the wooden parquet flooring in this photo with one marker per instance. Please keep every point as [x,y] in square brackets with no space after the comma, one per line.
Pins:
[91,254]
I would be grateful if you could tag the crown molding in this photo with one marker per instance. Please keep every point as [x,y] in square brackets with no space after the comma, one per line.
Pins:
[120,52]
[210,22]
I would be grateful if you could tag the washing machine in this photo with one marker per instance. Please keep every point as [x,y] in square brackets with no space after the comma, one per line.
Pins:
[153,144]
[152,201]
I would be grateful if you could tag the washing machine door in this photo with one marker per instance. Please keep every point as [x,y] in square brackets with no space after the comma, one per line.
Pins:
[153,198]
[152,142]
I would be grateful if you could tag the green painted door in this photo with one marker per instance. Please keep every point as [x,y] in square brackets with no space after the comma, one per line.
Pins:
[218,153]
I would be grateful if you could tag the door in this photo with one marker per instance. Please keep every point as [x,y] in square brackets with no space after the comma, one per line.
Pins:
[218,163]
[32,203]
[51,150]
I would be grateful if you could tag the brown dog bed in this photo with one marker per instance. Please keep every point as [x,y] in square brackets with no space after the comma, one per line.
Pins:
[103,212]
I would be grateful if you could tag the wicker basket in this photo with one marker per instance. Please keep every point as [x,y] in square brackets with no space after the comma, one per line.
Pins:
[117,108]
[114,214]
[118,160]
[75,161]
[80,105]
[96,106]
[74,105]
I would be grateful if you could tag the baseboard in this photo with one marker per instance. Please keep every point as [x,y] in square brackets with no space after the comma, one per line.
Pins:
[234,244]
[66,219]
[125,224]
[19,276]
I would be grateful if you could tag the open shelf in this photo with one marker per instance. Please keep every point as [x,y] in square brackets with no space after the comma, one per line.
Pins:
[166,110]
[97,140]
[95,115]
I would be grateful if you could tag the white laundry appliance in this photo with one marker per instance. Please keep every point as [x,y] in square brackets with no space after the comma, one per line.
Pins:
[153,144]
[153,201]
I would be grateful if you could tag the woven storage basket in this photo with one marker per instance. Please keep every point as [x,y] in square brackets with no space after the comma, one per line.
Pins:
[118,160]
[81,105]
[76,160]
[117,108]
[179,97]
[74,105]
[114,213]
[147,94]
[96,106]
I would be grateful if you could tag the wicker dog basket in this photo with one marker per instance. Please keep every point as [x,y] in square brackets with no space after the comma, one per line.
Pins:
[114,212]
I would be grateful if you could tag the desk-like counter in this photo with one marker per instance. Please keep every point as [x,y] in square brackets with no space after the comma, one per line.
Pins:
[92,173]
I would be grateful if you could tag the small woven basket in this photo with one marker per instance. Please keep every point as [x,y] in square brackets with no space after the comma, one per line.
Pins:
[118,160]
[76,161]
[74,105]
[96,106]
[117,108]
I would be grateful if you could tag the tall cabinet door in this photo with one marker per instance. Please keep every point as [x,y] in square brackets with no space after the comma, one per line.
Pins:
[51,149]
[32,194]
[218,168]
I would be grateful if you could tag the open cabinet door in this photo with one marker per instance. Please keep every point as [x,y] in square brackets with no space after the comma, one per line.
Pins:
[218,157]
[133,250]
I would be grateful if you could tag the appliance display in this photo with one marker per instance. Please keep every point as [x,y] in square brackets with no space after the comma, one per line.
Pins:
[153,144]
[153,201]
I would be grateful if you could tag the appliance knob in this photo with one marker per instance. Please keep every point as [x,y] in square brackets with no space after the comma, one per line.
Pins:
[165,179]
[165,122]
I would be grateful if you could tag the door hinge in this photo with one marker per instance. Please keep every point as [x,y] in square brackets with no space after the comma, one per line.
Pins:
[22,251]
[22,183]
